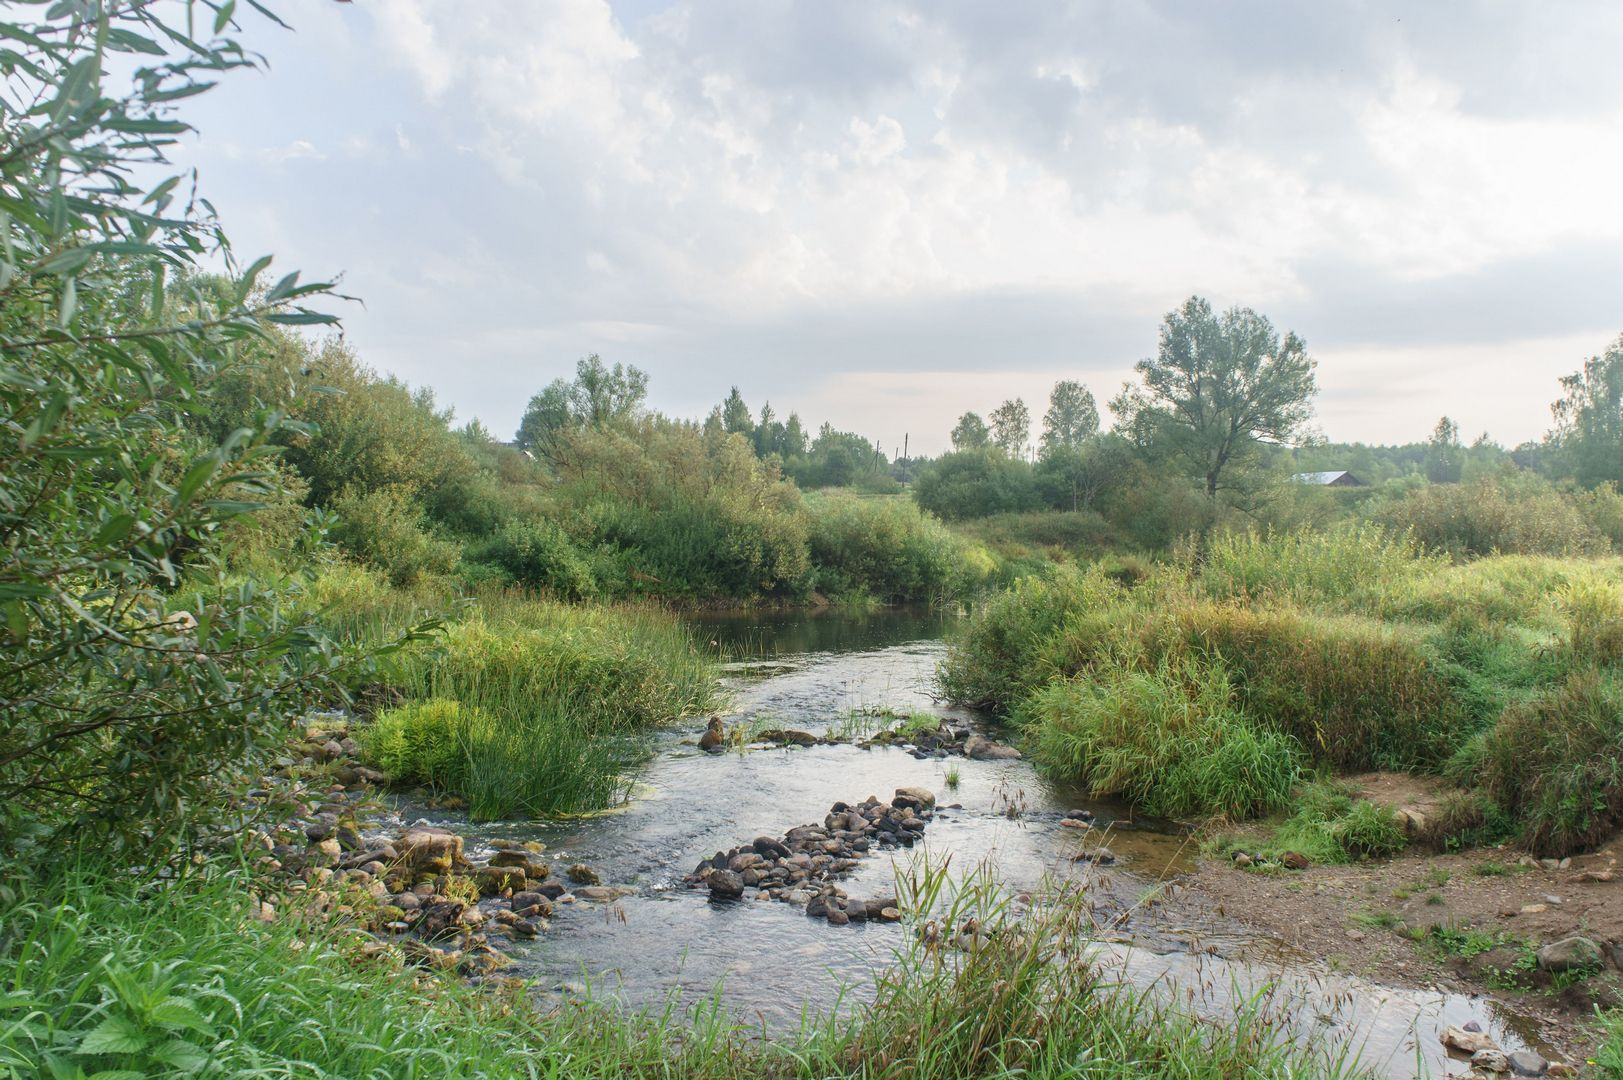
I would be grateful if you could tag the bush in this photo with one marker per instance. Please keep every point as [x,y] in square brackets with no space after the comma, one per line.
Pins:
[1557,764]
[1484,518]
[386,528]
[1171,741]
[994,659]
[885,548]
[539,555]
[975,484]
[420,743]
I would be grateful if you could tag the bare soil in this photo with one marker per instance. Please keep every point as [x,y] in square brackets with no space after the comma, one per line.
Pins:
[1380,919]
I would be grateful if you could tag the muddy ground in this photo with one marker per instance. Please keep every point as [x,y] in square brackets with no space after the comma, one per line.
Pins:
[1468,922]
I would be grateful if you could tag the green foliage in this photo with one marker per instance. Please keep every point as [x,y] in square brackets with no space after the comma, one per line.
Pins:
[419,743]
[975,483]
[532,707]
[1485,518]
[1171,740]
[888,549]
[539,555]
[1557,763]
[996,657]
[1219,387]
[385,527]
[127,703]
[1329,826]
[598,398]
[1347,567]
[1072,418]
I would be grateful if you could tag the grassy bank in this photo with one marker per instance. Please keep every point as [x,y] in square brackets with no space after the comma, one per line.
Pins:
[1204,688]
[114,976]
[522,705]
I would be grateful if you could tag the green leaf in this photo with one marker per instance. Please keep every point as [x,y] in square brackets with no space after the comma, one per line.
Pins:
[114,1035]
[188,1057]
[115,529]
[199,474]
[70,302]
[222,18]
[178,1012]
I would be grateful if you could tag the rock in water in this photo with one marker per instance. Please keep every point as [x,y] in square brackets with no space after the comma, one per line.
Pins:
[981,748]
[1467,1042]
[714,735]
[725,885]
[918,798]
[1488,1060]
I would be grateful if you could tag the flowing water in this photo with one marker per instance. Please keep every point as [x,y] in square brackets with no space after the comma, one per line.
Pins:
[771,963]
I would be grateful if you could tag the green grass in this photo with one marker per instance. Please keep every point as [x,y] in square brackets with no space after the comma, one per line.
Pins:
[111,975]
[1171,740]
[1504,675]
[529,707]
[1330,826]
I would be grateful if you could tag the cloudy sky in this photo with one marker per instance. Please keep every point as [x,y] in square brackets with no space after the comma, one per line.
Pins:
[884,213]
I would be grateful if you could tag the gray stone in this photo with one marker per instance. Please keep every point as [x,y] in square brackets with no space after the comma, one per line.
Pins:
[1528,1063]
[918,797]
[1490,1060]
[1569,954]
[981,748]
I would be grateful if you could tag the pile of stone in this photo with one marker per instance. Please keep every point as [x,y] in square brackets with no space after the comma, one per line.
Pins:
[416,888]
[804,866]
[1488,1058]
[945,741]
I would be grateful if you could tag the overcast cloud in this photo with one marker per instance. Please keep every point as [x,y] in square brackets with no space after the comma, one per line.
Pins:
[884,213]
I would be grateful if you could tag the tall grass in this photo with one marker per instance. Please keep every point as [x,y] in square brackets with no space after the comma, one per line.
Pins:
[891,550]
[102,972]
[1171,740]
[531,707]
[1557,763]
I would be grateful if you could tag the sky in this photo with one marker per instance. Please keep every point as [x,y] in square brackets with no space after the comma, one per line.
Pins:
[883,214]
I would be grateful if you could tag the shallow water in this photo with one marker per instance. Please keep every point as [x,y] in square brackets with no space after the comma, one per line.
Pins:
[772,964]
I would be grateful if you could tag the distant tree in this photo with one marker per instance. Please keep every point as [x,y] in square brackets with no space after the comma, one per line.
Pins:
[1072,417]
[838,459]
[1217,390]
[769,433]
[1071,477]
[794,438]
[1445,457]
[598,397]
[1587,441]
[735,415]
[1011,427]
[971,433]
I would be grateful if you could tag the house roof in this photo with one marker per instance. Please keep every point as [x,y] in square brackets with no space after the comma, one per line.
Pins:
[1320,477]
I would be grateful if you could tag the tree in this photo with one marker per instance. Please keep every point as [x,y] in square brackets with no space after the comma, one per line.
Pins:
[1072,417]
[129,695]
[599,397]
[1071,477]
[1217,390]
[735,415]
[1444,454]
[1011,427]
[794,438]
[1587,441]
[975,483]
[970,433]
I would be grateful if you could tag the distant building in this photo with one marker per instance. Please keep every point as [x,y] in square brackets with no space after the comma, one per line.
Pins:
[1328,479]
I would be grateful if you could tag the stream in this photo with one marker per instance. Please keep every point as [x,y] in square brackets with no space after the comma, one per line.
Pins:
[769,964]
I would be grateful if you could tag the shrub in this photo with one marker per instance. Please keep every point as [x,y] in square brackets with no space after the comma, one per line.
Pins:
[1170,741]
[886,548]
[1556,763]
[387,529]
[1593,610]
[994,658]
[974,484]
[539,555]
[1484,518]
